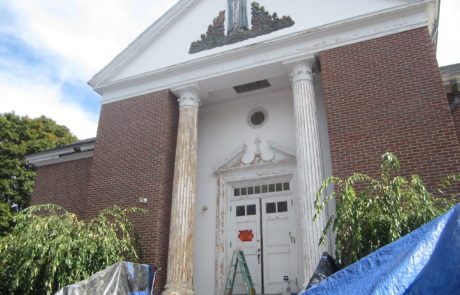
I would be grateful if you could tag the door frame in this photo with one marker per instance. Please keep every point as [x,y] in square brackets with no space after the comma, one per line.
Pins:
[258,173]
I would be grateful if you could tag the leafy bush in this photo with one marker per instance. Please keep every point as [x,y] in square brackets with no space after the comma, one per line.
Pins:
[50,248]
[6,219]
[373,212]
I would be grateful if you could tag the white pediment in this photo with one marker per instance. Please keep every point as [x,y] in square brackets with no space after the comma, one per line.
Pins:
[261,152]
[164,47]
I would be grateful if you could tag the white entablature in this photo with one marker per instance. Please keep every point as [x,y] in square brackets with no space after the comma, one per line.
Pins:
[159,58]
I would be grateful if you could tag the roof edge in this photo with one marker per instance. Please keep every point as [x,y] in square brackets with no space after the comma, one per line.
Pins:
[75,151]
[139,43]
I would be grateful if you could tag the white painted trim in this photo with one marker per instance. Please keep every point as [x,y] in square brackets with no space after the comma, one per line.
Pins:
[308,42]
[234,162]
[278,147]
[446,79]
[63,154]
[140,42]
[230,159]
[67,158]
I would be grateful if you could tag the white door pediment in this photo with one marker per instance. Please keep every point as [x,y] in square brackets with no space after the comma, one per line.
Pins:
[259,153]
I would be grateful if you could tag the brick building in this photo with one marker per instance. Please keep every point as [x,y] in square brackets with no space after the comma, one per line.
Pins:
[225,138]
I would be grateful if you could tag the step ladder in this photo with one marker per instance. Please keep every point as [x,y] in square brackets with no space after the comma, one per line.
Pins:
[238,261]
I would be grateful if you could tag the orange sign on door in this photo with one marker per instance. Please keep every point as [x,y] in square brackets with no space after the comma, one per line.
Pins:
[246,235]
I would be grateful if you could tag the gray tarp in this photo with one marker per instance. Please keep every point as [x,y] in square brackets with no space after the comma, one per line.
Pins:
[122,278]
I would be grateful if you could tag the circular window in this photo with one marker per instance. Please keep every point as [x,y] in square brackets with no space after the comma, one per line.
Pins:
[257,117]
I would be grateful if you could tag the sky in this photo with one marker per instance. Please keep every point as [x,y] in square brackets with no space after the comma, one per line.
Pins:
[49,49]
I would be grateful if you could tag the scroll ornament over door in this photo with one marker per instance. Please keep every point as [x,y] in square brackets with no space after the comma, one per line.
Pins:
[246,235]
[261,20]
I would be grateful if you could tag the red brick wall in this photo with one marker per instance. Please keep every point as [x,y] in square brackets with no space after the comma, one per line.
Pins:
[64,184]
[134,158]
[384,95]
[455,115]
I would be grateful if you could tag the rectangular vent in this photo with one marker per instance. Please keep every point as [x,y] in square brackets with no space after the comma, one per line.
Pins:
[252,86]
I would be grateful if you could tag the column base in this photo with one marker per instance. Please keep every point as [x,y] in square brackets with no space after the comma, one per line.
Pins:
[178,289]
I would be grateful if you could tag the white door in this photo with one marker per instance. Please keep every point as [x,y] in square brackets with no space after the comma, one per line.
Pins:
[264,228]
[278,231]
[245,235]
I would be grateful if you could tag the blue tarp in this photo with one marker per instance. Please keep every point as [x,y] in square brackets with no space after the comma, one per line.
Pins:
[426,261]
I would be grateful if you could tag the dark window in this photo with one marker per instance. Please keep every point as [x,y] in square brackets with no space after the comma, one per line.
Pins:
[250,190]
[240,210]
[257,118]
[270,207]
[258,189]
[236,192]
[264,188]
[251,209]
[279,187]
[286,186]
[282,206]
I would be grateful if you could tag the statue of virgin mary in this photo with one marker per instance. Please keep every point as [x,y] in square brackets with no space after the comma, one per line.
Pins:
[237,15]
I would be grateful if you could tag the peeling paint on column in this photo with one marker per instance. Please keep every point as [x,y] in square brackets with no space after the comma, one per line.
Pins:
[309,160]
[180,257]
[220,236]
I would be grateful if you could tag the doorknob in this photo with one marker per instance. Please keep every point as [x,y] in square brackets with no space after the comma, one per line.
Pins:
[292,238]
[258,258]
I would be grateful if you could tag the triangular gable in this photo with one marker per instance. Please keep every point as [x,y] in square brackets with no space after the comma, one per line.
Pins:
[140,42]
[166,43]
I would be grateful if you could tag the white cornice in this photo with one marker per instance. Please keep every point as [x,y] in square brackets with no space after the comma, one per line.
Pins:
[68,158]
[397,19]
[64,154]
[140,42]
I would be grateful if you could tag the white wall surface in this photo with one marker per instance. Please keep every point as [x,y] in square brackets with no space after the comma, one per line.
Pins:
[172,46]
[222,128]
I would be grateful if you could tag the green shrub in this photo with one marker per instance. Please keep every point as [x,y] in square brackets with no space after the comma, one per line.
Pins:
[6,219]
[50,248]
[373,212]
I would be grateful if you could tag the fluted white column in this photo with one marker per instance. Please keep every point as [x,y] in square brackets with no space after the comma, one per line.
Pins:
[309,160]
[180,262]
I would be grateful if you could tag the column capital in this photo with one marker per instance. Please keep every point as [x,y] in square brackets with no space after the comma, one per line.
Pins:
[302,70]
[189,95]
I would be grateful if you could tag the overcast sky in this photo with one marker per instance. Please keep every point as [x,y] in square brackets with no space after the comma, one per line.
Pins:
[49,49]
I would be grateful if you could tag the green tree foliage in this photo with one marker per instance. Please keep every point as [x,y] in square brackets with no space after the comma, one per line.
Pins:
[21,136]
[6,219]
[373,212]
[50,248]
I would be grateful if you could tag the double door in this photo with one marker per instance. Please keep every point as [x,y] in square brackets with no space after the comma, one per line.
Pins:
[265,229]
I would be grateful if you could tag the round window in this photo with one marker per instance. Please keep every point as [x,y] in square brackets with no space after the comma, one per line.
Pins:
[257,117]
